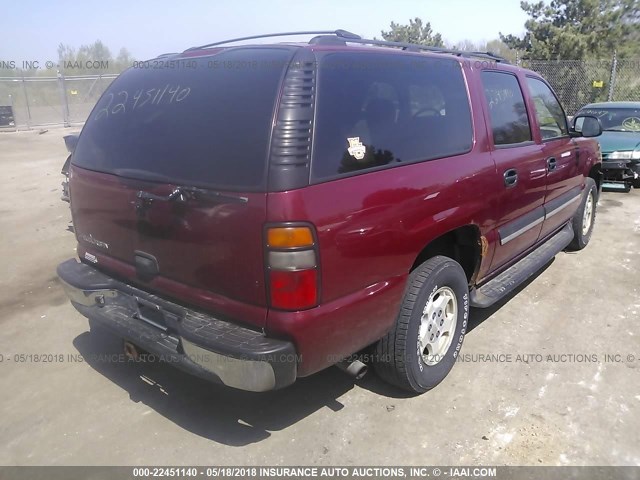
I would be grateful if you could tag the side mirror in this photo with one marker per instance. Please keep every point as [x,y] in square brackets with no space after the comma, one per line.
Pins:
[586,126]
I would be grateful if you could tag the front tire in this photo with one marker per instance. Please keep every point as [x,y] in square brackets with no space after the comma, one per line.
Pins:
[422,348]
[585,217]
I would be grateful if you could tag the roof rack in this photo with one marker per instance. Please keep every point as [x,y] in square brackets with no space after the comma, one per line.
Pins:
[412,47]
[324,37]
[338,33]
[491,55]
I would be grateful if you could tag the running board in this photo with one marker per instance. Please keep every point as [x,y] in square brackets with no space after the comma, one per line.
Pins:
[516,275]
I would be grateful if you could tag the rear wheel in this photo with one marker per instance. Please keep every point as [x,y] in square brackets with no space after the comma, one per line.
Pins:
[585,216]
[426,339]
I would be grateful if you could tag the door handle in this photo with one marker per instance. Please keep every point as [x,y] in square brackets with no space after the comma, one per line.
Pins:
[510,178]
[551,164]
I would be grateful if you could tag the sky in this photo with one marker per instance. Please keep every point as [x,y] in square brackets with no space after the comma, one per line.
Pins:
[33,29]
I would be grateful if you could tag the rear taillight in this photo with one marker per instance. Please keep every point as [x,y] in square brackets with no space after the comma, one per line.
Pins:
[292,267]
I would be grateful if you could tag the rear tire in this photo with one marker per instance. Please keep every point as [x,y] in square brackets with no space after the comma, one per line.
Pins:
[585,217]
[423,346]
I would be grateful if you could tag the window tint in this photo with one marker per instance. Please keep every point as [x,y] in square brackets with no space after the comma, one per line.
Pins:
[384,109]
[549,113]
[426,99]
[205,121]
[507,110]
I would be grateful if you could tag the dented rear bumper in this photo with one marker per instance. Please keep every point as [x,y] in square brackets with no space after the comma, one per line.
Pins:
[212,348]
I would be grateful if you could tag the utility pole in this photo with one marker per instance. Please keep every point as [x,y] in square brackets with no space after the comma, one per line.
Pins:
[612,78]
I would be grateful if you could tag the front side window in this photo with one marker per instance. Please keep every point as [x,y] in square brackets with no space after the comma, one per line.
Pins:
[507,110]
[549,113]
[376,110]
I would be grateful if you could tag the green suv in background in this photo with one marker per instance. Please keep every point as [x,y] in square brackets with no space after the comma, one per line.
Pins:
[619,142]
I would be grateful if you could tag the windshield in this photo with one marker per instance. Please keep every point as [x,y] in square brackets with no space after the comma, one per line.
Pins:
[202,121]
[616,119]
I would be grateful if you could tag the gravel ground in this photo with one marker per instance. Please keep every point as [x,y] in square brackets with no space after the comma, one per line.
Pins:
[562,386]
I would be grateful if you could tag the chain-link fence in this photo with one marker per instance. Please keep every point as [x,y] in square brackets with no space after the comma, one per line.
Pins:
[67,100]
[579,82]
[43,101]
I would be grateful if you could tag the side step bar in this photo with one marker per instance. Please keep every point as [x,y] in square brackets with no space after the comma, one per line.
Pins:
[516,275]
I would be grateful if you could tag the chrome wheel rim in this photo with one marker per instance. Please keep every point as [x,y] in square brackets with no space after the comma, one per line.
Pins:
[587,217]
[437,325]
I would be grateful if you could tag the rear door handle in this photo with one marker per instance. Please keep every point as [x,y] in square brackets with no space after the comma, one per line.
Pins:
[510,178]
[551,164]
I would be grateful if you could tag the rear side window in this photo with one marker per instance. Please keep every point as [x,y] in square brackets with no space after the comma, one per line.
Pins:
[551,117]
[202,121]
[376,110]
[507,110]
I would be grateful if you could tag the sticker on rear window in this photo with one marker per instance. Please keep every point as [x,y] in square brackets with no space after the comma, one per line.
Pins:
[356,148]
[632,124]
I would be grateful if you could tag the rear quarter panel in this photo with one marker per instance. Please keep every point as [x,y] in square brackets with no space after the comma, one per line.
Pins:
[371,228]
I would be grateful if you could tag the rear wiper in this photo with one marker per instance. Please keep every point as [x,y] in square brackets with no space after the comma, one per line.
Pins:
[183,194]
[150,197]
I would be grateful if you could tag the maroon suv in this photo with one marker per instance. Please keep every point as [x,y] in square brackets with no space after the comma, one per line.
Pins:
[258,213]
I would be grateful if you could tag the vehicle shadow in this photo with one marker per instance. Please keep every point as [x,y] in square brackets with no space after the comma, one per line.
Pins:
[226,415]
[215,412]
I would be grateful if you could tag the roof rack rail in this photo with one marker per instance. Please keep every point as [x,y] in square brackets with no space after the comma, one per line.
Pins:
[344,36]
[490,55]
[411,47]
[339,33]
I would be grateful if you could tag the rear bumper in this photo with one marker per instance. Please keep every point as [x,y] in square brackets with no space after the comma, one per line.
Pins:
[203,345]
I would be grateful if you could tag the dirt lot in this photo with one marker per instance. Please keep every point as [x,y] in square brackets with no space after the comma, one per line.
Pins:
[571,405]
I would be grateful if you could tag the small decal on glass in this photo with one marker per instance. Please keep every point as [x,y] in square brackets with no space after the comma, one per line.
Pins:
[356,148]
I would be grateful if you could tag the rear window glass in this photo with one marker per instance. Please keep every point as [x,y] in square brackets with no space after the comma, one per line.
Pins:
[378,110]
[200,121]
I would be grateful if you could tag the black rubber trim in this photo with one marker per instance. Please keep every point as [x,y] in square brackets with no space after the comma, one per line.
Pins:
[521,222]
[562,199]
[218,335]
[80,275]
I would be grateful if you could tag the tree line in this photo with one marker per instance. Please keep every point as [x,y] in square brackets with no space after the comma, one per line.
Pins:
[555,30]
